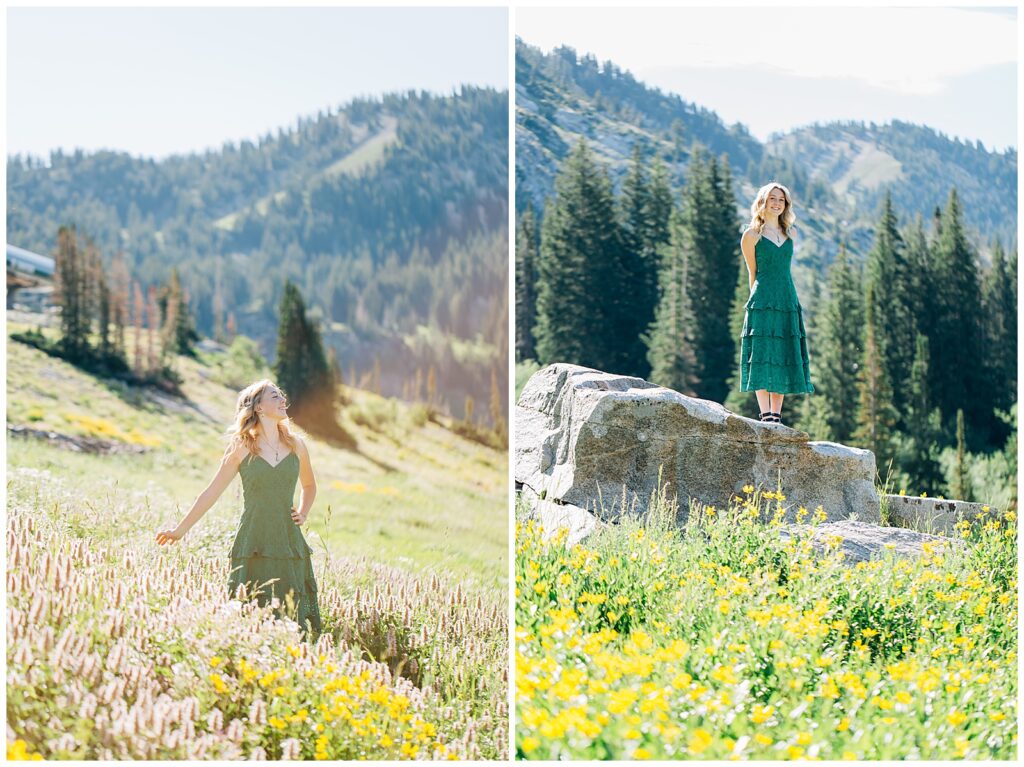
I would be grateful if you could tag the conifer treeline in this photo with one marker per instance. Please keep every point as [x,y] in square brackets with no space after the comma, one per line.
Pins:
[639,284]
[628,284]
[95,312]
[96,309]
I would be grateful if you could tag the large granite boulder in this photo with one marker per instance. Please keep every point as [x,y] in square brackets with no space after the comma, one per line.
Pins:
[598,441]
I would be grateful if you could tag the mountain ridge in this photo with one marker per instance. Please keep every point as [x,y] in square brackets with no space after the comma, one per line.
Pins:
[408,235]
[838,172]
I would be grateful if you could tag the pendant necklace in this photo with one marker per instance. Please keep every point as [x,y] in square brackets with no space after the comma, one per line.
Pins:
[275,449]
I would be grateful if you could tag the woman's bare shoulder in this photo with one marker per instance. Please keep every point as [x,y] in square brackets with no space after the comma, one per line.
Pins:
[235,456]
[300,445]
[750,235]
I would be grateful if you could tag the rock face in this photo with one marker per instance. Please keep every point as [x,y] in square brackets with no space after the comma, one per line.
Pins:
[553,516]
[863,541]
[933,515]
[582,436]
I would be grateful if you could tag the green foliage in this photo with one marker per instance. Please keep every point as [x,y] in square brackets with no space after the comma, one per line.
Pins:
[377,413]
[955,336]
[670,340]
[876,418]
[895,324]
[839,352]
[241,365]
[775,647]
[710,235]
[523,372]
[645,208]
[177,321]
[578,271]
[301,368]
[526,283]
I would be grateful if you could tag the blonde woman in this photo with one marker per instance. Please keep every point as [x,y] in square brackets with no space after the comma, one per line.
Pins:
[269,554]
[773,347]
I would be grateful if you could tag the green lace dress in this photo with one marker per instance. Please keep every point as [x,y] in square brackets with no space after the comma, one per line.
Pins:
[773,347]
[269,553]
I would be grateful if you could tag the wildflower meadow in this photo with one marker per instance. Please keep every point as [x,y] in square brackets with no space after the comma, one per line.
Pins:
[119,649]
[728,639]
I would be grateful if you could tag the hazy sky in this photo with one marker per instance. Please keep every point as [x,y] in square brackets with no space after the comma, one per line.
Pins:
[157,81]
[953,69]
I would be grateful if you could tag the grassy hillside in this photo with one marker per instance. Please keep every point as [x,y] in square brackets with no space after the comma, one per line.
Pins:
[416,494]
[134,651]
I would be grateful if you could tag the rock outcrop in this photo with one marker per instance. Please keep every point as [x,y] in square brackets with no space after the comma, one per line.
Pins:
[597,441]
[862,541]
[933,515]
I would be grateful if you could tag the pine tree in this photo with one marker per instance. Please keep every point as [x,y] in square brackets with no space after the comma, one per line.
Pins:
[645,207]
[921,277]
[138,322]
[836,365]
[301,368]
[876,418]
[168,333]
[737,400]
[152,328]
[709,229]
[812,411]
[999,348]
[724,269]
[120,285]
[887,271]
[917,457]
[70,290]
[961,485]
[579,269]
[669,340]
[182,333]
[526,279]
[102,302]
[957,336]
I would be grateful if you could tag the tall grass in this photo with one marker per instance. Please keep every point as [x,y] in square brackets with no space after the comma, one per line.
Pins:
[117,650]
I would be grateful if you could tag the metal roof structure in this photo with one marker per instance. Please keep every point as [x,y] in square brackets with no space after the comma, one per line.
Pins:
[23,260]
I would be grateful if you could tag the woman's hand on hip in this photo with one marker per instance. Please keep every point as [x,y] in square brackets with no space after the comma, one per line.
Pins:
[297,518]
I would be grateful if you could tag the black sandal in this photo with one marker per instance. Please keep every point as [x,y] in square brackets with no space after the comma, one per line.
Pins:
[766,417]
[776,417]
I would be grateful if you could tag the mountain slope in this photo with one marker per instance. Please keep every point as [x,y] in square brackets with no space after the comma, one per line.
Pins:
[390,214]
[837,172]
[414,494]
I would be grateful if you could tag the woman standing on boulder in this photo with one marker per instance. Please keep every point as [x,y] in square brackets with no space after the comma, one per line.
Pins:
[269,554]
[773,347]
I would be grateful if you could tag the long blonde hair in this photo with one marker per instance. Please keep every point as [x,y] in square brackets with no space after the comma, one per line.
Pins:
[787,218]
[244,430]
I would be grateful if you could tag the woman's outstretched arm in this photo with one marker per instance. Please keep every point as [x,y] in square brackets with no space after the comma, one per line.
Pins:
[205,500]
[308,482]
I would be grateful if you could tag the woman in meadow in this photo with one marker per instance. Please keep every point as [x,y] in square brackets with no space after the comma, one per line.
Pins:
[269,554]
[773,347]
